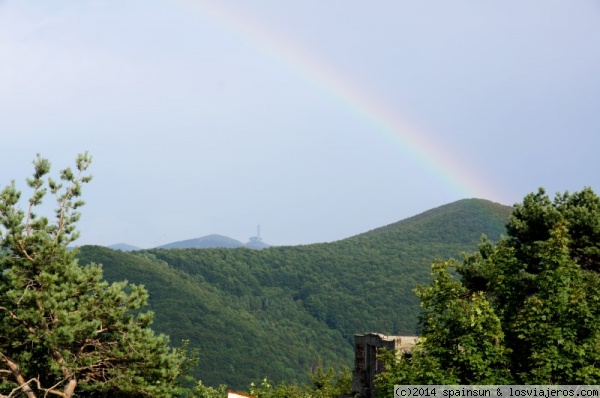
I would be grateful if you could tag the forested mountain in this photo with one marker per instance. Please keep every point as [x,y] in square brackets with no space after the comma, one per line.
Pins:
[274,312]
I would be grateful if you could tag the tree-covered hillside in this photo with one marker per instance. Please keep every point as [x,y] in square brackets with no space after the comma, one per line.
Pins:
[276,311]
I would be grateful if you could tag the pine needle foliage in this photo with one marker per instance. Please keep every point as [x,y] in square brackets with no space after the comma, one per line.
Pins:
[63,330]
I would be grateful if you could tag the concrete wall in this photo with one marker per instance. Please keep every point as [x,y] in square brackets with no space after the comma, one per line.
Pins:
[366,363]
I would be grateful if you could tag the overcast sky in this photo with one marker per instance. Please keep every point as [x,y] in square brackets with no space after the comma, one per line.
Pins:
[316,119]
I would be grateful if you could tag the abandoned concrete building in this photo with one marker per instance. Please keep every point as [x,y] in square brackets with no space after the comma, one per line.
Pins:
[366,363]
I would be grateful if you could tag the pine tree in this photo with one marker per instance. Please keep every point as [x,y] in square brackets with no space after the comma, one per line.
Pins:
[63,330]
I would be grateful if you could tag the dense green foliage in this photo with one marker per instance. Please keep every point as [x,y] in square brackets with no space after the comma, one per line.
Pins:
[241,338]
[527,310]
[324,383]
[64,331]
[273,313]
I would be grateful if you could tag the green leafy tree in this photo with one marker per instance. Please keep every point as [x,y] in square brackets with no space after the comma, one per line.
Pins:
[63,330]
[203,391]
[282,390]
[326,383]
[544,284]
[462,334]
[527,310]
[462,340]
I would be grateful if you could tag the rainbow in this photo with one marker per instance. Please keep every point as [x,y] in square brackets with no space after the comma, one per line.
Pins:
[387,122]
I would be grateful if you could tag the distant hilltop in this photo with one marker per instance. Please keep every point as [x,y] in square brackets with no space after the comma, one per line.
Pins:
[124,247]
[205,242]
[214,240]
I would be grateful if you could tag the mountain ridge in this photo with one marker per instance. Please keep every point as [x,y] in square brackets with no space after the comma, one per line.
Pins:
[203,242]
[207,241]
[274,312]
[124,247]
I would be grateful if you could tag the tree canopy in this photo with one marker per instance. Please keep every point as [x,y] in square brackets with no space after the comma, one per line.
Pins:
[63,330]
[526,311]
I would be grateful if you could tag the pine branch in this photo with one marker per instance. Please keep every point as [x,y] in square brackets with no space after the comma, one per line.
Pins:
[16,372]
